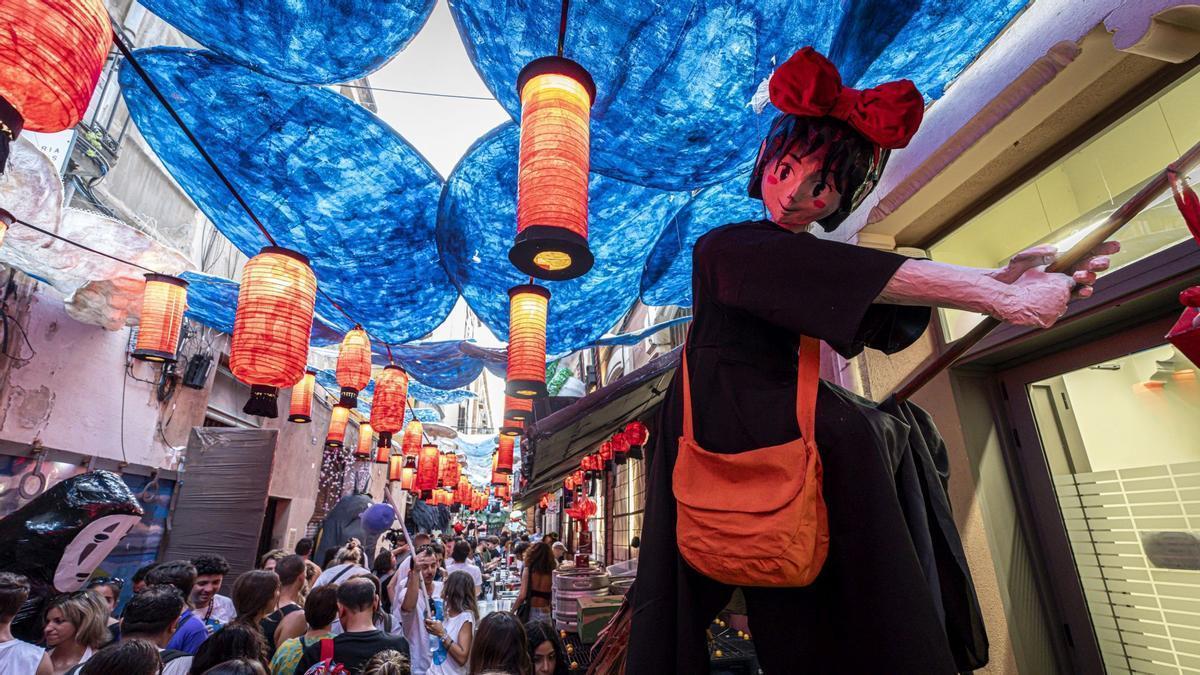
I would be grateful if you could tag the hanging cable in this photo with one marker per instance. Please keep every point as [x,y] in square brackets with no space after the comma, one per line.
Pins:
[371,87]
[562,26]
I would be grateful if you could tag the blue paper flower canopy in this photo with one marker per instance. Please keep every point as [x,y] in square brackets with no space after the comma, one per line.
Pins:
[305,41]
[477,222]
[326,177]
[674,79]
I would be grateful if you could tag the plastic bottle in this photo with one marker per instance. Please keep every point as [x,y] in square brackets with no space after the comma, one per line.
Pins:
[436,646]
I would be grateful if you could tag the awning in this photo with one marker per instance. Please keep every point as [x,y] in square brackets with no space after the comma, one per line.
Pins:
[555,444]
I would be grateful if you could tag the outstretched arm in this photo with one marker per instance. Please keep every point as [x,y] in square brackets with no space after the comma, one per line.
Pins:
[1020,293]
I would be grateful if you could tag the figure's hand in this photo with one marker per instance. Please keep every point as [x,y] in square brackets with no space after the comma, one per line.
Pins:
[1037,298]
[1084,273]
[435,627]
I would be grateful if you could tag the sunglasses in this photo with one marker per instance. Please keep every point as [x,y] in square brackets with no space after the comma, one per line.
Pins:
[106,581]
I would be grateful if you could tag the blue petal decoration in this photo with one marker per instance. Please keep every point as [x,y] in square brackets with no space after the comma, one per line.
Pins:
[307,41]
[441,365]
[211,300]
[326,177]
[425,415]
[630,339]
[424,394]
[673,79]
[667,278]
[476,225]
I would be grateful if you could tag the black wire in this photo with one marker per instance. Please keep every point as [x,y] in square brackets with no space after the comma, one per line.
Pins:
[418,93]
[562,25]
[89,249]
[141,72]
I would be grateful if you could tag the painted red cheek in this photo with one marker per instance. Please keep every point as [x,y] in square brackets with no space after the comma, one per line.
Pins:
[818,203]
[772,180]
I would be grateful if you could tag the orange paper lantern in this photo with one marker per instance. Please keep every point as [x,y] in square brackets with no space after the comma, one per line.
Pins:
[517,409]
[274,316]
[163,302]
[353,366]
[463,494]
[383,454]
[396,468]
[336,436]
[51,55]
[528,306]
[552,175]
[408,477]
[504,455]
[366,441]
[428,466]
[411,443]
[449,470]
[300,410]
[391,397]
[511,429]
[503,492]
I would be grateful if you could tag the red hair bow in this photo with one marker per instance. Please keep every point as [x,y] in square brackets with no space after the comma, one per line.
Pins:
[810,86]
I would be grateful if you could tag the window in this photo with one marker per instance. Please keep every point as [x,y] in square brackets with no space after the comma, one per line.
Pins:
[1066,201]
[629,502]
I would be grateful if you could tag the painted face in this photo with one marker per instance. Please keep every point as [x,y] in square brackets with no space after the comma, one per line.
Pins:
[544,661]
[58,629]
[205,588]
[92,545]
[793,193]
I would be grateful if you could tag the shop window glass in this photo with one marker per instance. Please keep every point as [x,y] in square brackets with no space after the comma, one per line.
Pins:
[1074,195]
[1121,444]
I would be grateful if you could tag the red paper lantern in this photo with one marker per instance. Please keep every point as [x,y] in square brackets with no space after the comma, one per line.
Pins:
[504,492]
[383,454]
[504,455]
[528,306]
[511,429]
[637,434]
[552,176]
[163,302]
[462,494]
[606,451]
[338,418]
[428,467]
[620,448]
[353,366]
[396,468]
[544,502]
[408,477]
[51,55]
[411,444]
[391,397]
[274,316]
[449,473]
[300,410]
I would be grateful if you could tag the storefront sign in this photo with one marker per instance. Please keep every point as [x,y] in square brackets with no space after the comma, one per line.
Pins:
[57,146]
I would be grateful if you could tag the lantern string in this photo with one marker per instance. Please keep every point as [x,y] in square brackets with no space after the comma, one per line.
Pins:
[411,92]
[562,26]
[89,249]
[141,72]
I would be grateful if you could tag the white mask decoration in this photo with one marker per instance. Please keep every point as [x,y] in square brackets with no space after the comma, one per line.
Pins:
[89,548]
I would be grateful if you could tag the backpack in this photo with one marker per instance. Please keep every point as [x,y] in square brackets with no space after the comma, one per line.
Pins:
[326,666]
[169,655]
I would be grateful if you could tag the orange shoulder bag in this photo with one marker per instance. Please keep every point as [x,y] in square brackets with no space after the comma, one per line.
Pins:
[755,518]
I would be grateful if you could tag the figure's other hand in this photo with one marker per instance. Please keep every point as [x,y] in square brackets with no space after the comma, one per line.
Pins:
[1095,262]
[1037,298]
[1084,273]
[1037,256]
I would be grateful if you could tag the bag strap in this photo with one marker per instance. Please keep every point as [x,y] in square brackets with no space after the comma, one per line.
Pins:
[326,650]
[807,380]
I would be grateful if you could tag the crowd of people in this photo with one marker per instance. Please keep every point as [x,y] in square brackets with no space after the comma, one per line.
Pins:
[396,612]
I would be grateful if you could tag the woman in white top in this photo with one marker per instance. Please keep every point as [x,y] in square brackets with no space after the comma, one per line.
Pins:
[456,631]
[75,627]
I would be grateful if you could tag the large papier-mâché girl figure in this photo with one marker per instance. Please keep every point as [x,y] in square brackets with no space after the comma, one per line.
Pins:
[844,548]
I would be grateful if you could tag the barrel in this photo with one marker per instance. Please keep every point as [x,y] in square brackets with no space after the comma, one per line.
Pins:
[572,583]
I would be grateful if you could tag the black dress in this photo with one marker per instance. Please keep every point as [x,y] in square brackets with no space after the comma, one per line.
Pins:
[873,608]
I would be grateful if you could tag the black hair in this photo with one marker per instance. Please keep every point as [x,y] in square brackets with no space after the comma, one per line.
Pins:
[852,163]
[14,590]
[383,564]
[140,575]
[152,611]
[127,657]
[304,546]
[289,568]
[461,550]
[497,645]
[357,594]
[238,667]
[178,573]
[320,607]
[210,563]
[254,595]
[538,632]
[232,642]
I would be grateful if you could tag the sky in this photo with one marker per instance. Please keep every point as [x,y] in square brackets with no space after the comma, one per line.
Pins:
[442,129]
